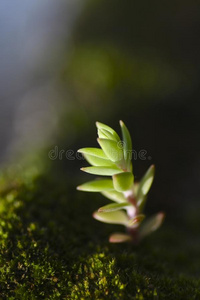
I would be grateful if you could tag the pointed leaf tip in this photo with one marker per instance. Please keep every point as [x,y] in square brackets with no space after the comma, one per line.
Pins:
[107,128]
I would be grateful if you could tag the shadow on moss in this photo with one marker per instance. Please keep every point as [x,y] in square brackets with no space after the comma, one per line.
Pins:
[51,248]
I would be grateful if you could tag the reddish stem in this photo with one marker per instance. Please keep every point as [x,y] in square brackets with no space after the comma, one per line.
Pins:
[133,231]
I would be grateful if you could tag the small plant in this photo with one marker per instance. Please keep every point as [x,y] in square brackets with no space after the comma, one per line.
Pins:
[114,159]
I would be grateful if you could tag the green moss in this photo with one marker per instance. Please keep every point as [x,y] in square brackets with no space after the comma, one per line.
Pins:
[51,248]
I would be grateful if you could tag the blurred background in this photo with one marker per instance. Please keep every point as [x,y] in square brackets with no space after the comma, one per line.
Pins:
[67,64]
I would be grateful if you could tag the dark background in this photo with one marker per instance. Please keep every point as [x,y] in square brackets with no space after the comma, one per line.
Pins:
[65,65]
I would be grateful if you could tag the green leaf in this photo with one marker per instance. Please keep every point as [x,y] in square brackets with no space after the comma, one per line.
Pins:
[136,220]
[151,224]
[96,157]
[97,152]
[96,186]
[114,217]
[104,134]
[111,149]
[113,207]
[123,181]
[102,126]
[96,161]
[120,238]
[127,143]
[114,196]
[104,171]
[141,202]
[145,183]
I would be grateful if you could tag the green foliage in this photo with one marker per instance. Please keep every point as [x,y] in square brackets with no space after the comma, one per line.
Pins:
[131,197]
[111,149]
[112,217]
[113,207]
[105,171]
[123,182]
[127,144]
[96,186]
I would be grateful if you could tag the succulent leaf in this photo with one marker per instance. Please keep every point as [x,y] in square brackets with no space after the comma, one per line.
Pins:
[114,196]
[96,186]
[114,217]
[145,183]
[104,171]
[141,202]
[113,207]
[96,161]
[102,133]
[97,152]
[123,181]
[102,126]
[111,149]
[127,143]
[152,224]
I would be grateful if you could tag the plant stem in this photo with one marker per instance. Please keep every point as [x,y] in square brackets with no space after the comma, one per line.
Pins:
[132,212]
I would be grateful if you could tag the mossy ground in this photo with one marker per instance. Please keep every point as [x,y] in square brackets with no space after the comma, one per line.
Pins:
[51,248]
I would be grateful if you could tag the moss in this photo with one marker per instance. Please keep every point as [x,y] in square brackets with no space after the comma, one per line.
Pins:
[51,248]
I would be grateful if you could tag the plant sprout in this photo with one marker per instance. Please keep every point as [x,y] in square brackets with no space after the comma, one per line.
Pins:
[129,197]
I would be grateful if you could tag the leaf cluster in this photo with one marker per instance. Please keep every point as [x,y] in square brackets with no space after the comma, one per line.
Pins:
[114,158]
